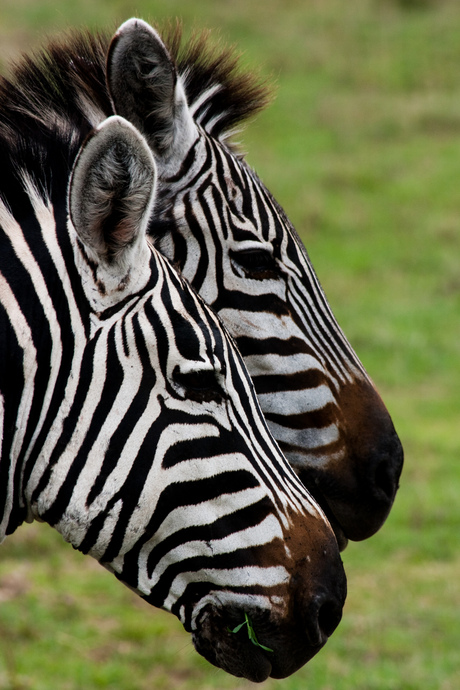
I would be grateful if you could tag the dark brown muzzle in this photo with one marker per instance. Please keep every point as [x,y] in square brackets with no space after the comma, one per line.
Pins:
[357,488]
[283,638]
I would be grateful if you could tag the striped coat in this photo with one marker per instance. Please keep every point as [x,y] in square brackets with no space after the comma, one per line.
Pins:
[128,421]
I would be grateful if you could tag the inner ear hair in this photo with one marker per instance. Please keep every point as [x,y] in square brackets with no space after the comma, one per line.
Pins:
[111,189]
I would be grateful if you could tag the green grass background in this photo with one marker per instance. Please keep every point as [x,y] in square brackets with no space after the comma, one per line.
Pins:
[362,148]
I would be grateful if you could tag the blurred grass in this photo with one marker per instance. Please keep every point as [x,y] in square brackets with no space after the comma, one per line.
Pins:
[362,148]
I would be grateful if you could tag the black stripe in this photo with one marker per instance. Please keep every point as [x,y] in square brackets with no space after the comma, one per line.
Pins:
[238,521]
[300,380]
[291,346]
[86,375]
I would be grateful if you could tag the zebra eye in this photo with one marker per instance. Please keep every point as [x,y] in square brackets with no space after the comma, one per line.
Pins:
[202,385]
[256,263]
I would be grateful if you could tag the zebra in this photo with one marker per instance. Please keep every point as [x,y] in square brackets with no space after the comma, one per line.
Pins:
[128,421]
[236,246]
[219,225]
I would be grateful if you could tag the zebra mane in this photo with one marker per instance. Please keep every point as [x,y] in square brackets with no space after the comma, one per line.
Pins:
[61,91]
[48,105]
[220,94]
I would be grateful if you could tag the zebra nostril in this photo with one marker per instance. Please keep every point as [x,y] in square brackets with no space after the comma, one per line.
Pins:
[384,480]
[322,619]
[388,470]
[329,616]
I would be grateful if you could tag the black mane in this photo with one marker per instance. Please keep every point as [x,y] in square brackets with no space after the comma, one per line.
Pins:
[237,95]
[47,108]
[60,93]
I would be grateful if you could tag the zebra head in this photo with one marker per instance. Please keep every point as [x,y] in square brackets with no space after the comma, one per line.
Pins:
[234,243]
[129,423]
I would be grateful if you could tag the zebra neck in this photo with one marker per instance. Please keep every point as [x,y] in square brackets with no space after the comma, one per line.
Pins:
[41,331]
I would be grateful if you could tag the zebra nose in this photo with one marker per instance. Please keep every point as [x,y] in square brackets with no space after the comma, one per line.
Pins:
[373,485]
[322,615]
[255,643]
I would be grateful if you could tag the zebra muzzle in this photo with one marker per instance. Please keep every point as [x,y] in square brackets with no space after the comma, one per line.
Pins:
[257,644]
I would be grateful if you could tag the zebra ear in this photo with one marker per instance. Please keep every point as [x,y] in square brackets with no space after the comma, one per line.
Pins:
[111,190]
[145,89]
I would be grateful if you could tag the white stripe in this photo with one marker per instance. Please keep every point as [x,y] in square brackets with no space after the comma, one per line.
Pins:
[260,325]
[282,364]
[258,535]
[305,438]
[194,515]
[244,602]
[296,402]
[61,468]
[238,577]
[209,93]
[14,231]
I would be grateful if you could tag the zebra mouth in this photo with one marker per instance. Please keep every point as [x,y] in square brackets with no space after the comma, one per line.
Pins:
[275,654]
[215,641]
